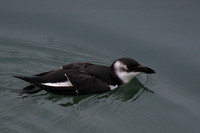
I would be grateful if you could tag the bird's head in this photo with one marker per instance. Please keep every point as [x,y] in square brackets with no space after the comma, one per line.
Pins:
[126,69]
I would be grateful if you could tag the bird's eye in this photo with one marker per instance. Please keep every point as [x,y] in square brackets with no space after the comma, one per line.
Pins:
[130,68]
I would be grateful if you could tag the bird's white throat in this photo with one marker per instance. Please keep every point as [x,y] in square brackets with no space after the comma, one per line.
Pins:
[120,70]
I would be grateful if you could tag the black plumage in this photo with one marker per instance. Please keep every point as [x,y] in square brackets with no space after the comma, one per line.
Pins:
[82,78]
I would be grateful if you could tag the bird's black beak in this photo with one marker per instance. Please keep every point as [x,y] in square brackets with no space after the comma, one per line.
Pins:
[144,69]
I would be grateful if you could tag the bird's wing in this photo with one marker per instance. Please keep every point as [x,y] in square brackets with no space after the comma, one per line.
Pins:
[76,66]
[86,84]
[68,66]
[76,83]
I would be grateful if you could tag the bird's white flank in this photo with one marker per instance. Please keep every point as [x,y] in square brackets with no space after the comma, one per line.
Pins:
[112,87]
[59,84]
[66,83]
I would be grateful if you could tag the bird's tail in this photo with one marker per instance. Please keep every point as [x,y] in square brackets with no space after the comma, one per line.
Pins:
[30,89]
[28,79]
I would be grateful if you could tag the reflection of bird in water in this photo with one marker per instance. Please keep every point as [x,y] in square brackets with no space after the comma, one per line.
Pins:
[86,78]
[130,91]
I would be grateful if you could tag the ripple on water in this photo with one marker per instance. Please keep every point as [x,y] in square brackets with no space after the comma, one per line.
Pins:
[98,111]
[45,112]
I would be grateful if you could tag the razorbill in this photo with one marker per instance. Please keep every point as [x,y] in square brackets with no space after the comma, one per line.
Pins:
[87,78]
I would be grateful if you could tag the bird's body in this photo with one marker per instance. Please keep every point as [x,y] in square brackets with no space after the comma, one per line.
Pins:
[87,78]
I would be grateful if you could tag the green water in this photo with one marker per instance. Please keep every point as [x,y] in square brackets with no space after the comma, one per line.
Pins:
[38,36]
